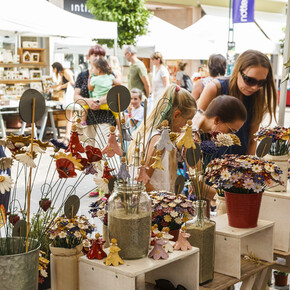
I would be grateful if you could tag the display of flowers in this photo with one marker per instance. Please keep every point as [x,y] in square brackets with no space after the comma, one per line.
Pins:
[242,173]
[280,139]
[170,210]
[42,267]
[99,208]
[69,233]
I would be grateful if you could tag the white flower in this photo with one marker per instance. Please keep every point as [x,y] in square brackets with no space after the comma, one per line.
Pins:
[178,220]
[224,140]
[52,236]
[77,234]
[10,145]
[43,273]
[225,174]
[102,184]
[257,188]
[83,227]
[269,167]
[257,168]
[70,225]
[25,159]
[19,144]
[98,165]
[3,142]
[86,243]
[5,163]
[36,148]
[174,214]
[5,183]
[62,235]
[101,213]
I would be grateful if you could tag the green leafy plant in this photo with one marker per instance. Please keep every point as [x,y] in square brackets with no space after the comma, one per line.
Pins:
[131,15]
[277,272]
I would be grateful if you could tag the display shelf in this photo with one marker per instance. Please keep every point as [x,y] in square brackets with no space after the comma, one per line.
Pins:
[25,65]
[40,51]
[11,82]
[231,243]
[254,276]
[182,267]
[275,207]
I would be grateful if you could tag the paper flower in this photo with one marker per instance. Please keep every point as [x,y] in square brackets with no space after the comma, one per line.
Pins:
[93,154]
[224,140]
[5,163]
[102,184]
[26,159]
[5,183]
[65,168]
[36,148]
[75,161]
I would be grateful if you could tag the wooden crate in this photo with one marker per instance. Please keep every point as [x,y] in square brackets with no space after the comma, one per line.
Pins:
[275,207]
[182,267]
[231,243]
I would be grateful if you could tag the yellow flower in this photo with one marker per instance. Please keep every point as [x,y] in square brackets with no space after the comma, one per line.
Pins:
[285,137]
[167,218]
[184,219]
[236,139]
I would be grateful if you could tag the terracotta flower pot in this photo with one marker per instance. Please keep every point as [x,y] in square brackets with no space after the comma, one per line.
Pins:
[280,279]
[243,209]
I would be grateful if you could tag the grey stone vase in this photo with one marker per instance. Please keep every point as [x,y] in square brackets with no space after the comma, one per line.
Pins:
[18,269]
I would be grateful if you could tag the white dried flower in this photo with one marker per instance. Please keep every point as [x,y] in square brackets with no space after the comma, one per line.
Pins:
[5,183]
[102,184]
[26,159]
[224,140]
[36,148]
[62,235]
[5,163]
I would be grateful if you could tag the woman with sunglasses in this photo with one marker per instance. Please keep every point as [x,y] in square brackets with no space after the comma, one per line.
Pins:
[251,82]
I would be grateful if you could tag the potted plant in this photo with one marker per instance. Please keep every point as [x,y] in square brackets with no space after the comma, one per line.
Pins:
[243,178]
[281,278]
[279,151]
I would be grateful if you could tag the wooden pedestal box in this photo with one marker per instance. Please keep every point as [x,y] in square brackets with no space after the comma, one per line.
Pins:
[182,267]
[231,243]
[275,206]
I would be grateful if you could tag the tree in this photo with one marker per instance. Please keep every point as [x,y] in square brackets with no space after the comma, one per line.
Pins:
[131,15]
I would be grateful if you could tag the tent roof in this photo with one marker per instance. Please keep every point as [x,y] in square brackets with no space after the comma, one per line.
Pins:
[41,18]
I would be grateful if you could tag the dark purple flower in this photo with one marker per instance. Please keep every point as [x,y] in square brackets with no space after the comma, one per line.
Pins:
[58,145]
[208,147]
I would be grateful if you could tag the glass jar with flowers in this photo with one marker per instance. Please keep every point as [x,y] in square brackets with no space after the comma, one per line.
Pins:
[279,152]
[67,237]
[129,217]
[243,178]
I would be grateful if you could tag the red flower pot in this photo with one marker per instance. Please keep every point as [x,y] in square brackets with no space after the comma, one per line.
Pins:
[243,209]
[175,234]
[281,280]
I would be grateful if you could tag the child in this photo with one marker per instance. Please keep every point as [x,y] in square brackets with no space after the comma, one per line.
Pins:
[135,110]
[100,83]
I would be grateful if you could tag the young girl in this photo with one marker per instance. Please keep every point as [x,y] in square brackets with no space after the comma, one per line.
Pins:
[251,82]
[135,110]
[101,81]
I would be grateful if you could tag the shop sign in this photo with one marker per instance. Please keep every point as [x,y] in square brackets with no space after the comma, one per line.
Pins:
[77,7]
[243,11]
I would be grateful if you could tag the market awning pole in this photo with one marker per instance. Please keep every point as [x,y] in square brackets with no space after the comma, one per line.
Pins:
[283,86]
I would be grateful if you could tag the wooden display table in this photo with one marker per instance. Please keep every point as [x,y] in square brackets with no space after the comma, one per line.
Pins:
[254,276]
[285,267]
[231,243]
[275,207]
[180,268]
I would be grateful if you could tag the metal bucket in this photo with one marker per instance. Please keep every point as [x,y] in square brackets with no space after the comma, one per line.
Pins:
[19,270]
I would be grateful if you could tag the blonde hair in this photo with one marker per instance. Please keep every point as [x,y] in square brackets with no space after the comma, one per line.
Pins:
[157,55]
[265,99]
[115,64]
[173,98]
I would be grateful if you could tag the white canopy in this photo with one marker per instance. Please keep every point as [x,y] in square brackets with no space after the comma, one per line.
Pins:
[41,18]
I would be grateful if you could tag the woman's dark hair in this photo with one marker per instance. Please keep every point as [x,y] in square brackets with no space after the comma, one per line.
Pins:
[137,92]
[217,65]
[102,65]
[58,67]
[182,65]
[97,50]
[227,108]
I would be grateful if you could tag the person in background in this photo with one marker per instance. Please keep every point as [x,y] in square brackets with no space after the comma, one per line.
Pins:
[251,82]
[66,84]
[217,65]
[182,78]
[160,79]
[114,63]
[98,121]
[135,110]
[137,77]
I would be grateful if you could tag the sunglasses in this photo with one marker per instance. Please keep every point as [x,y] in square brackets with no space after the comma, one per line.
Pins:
[233,131]
[252,81]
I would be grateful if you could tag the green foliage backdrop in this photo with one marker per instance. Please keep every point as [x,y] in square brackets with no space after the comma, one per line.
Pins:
[131,15]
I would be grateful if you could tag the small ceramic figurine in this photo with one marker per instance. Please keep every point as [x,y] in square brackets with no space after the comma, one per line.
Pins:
[164,140]
[154,232]
[142,174]
[96,251]
[182,242]
[112,147]
[166,237]
[158,162]
[102,183]
[158,251]
[126,136]
[123,172]
[113,257]
[107,170]
[74,145]
[185,139]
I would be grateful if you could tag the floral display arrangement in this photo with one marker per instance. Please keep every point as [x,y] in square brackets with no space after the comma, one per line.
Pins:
[99,208]
[170,210]
[280,139]
[69,233]
[242,173]
[43,264]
